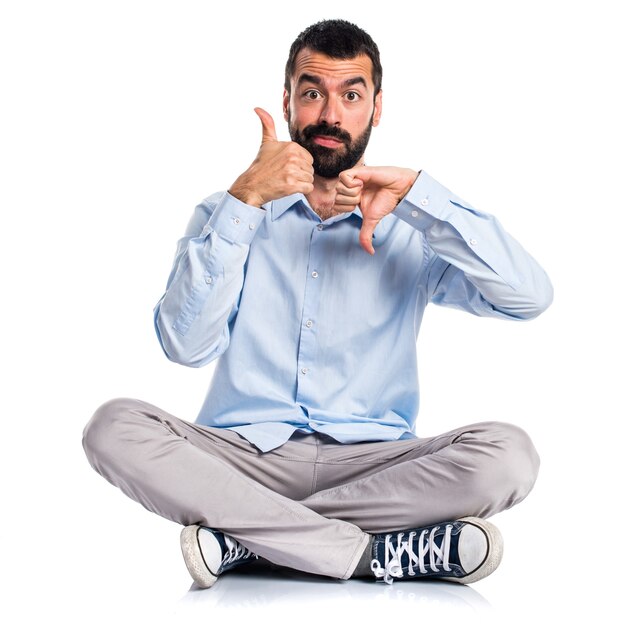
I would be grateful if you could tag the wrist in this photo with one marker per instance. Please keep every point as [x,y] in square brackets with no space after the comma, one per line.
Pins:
[245,195]
[410,181]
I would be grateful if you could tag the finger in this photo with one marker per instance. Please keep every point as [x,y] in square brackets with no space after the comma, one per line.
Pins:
[300,177]
[301,170]
[348,179]
[304,188]
[361,173]
[305,176]
[307,157]
[269,130]
[353,192]
[346,200]
[341,208]
[365,236]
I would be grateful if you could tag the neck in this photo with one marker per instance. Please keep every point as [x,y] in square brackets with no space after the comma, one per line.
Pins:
[322,198]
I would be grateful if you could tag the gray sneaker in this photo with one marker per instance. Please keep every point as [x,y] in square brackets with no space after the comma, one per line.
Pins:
[208,553]
[462,551]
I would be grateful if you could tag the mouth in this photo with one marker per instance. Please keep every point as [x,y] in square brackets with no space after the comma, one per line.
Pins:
[327,142]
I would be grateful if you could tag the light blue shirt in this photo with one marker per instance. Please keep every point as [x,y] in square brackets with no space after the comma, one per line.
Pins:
[315,334]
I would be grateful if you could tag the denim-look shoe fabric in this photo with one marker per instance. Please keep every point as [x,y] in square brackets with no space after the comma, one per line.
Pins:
[436,552]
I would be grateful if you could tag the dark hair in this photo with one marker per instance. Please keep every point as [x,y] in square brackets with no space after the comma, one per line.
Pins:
[337,39]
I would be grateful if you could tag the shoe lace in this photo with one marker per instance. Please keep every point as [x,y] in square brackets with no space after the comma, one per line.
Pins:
[235,551]
[430,557]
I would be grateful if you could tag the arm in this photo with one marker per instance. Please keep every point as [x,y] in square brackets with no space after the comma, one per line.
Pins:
[192,319]
[202,293]
[476,266]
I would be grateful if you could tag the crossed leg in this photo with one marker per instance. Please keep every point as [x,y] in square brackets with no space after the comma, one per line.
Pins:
[309,504]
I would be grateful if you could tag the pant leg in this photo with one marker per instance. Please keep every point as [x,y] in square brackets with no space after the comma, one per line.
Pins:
[179,471]
[478,470]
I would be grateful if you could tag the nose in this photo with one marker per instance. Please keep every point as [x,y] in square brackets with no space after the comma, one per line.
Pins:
[330,113]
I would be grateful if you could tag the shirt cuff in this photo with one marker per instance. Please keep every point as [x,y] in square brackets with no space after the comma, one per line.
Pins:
[426,201]
[234,220]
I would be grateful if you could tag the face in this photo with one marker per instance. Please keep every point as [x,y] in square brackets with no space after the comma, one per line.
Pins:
[331,109]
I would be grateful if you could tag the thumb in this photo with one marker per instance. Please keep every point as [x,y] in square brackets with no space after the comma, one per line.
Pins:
[365,236]
[269,130]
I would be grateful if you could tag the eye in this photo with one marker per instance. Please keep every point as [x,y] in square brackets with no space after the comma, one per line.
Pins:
[312,94]
[353,96]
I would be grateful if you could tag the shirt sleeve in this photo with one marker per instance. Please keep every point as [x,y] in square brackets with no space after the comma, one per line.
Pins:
[475,264]
[201,298]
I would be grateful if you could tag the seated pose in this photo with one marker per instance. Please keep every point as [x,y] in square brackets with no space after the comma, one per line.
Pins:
[308,279]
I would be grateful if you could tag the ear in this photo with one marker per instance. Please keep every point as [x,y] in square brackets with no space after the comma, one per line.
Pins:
[378,107]
[286,105]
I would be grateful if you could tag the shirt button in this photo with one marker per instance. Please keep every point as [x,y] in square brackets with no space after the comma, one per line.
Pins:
[208,280]
[473,242]
[424,202]
[320,227]
[314,274]
[309,323]
[304,370]
[414,213]
[236,220]
[251,226]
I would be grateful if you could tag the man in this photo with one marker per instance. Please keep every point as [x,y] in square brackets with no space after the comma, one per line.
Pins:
[309,278]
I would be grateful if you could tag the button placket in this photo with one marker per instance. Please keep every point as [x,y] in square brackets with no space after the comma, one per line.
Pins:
[307,347]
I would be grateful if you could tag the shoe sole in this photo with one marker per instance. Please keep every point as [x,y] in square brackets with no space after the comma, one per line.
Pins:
[494,551]
[189,544]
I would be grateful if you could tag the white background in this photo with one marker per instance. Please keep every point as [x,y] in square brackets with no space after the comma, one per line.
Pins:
[117,118]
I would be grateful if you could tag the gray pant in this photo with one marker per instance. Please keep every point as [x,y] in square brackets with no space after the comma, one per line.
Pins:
[311,503]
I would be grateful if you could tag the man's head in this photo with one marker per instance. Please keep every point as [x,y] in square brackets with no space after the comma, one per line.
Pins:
[333,94]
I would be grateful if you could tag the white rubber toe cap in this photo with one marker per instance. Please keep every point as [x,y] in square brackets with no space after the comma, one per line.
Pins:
[480,549]
[194,559]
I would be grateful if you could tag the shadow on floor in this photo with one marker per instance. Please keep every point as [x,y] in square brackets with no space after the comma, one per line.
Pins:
[263,585]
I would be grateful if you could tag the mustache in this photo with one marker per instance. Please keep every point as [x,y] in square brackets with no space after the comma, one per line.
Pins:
[324,130]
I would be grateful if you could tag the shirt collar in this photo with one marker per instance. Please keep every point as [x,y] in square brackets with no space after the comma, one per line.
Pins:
[279,206]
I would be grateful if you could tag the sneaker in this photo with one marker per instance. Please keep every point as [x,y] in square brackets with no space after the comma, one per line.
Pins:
[208,553]
[463,551]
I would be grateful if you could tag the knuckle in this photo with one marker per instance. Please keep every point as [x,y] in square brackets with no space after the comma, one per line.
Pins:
[304,153]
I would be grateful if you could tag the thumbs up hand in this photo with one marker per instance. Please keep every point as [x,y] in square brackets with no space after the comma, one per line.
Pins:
[280,168]
[267,123]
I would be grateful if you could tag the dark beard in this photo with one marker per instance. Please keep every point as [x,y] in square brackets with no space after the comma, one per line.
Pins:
[329,162]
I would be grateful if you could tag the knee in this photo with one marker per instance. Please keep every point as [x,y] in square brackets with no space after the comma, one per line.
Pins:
[518,462]
[102,431]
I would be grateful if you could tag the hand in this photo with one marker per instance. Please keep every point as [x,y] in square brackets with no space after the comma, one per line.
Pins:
[280,168]
[377,190]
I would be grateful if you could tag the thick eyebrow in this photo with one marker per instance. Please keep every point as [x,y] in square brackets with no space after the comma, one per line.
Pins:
[316,80]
